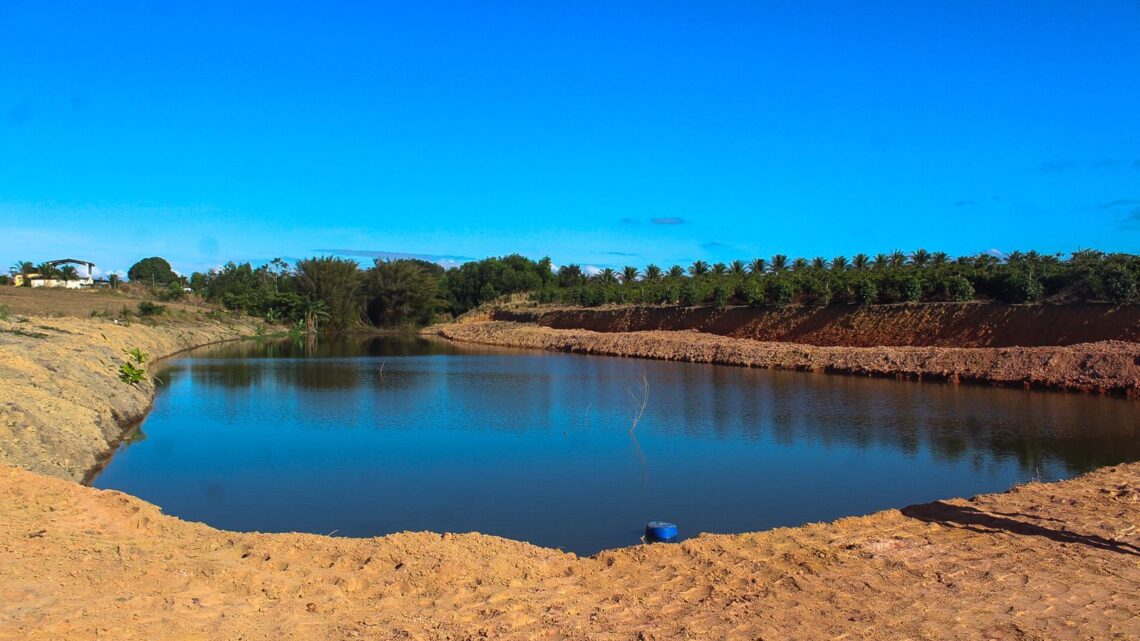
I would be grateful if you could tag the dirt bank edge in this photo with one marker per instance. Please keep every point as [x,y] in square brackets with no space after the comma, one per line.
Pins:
[63,409]
[973,324]
[1107,367]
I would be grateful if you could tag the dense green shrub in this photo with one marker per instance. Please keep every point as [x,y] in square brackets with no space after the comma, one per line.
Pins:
[780,292]
[688,296]
[1020,286]
[866,291]
[751,292]
[910,289]
[959,289]
[147,308]
[720,294]
[1119,284]
[816,291]
[173,291]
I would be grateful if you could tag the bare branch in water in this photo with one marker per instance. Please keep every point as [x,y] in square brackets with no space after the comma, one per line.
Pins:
[642,403]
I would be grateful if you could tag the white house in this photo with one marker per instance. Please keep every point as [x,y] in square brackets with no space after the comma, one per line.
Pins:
[35,280]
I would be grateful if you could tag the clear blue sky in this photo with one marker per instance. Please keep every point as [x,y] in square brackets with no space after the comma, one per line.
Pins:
[603,133]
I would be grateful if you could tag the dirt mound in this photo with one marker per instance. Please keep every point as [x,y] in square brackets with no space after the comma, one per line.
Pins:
[915,325]
[1044,561]
[1107,367]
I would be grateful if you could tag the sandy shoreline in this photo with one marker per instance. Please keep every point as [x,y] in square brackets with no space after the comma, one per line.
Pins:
[1043,561]
[63,408]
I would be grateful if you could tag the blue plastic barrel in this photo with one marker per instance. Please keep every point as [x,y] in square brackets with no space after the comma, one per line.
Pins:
[660,531]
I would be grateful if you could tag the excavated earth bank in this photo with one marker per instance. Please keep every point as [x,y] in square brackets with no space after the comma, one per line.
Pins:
[62,405]
[1108,367]
[914,325]
[1042,561]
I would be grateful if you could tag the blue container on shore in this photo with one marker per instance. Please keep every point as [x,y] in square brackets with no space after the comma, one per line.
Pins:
[660,532]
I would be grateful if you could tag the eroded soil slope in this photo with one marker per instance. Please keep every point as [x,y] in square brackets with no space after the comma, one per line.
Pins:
[1109,367]
[925,325]
[62,405]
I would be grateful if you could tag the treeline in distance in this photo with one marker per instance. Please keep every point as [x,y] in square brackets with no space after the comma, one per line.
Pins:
[339,294]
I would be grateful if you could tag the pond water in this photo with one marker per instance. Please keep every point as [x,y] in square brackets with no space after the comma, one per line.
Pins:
[364,437]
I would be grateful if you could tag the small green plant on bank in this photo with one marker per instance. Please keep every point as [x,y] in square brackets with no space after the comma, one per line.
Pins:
[137,355]
[4,312]
[147,308]
[297,330]
[132,372]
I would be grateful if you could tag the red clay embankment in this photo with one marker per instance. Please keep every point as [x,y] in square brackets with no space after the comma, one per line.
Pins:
[914,325]
[1107,367]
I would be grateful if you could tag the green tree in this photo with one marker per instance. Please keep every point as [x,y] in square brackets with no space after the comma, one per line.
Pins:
[920,258]
[1119,284]
[153,271]
[758,266]
[336,282]
[46,271]
[866,292]
[910,289]
[570,276]
[314,313]
[698,268]
[720,294]
[781,291]
[652,273]
[688,295]
[629,274]
[816,290]
[779,264]
[959,289]
[24,268]
[401,292]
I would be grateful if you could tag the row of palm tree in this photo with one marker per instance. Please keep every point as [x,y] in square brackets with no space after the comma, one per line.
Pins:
[26,269]
[780,264]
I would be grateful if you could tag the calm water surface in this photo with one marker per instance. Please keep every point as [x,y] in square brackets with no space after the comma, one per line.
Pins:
[371,436]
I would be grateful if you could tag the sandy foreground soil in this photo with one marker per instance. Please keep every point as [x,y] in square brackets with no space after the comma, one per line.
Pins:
[1106,367]
[1042,561]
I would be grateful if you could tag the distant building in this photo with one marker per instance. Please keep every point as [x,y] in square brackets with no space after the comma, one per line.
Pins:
[37,280]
